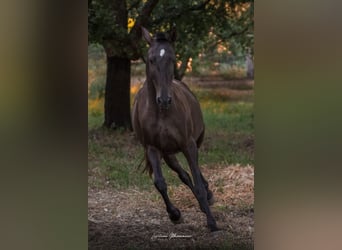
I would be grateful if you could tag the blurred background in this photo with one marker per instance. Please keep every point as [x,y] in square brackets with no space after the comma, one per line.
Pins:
[45,136]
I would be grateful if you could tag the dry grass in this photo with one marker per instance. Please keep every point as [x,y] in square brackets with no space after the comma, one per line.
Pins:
[231,185]
[128,219]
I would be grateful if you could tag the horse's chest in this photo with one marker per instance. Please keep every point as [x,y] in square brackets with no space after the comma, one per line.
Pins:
[164,132]
[166,137]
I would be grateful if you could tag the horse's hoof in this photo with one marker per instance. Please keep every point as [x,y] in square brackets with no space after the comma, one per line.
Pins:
[180,220]
[176,217]
[212,226]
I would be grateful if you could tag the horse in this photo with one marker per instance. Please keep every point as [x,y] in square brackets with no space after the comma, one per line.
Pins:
[167,119]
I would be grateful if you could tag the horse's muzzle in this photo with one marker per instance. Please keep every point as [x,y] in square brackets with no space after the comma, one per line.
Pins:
[164,103]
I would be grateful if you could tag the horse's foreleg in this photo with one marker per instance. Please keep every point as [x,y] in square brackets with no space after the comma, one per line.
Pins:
[154,157]
[173,163]
[191,154]
[210,195]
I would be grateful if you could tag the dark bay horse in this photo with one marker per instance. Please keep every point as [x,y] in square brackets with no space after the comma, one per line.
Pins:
[167,119]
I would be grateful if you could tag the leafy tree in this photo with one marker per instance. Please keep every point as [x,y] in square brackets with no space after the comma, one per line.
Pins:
[201,26]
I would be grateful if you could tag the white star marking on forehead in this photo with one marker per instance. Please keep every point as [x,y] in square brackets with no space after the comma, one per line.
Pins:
[162,52]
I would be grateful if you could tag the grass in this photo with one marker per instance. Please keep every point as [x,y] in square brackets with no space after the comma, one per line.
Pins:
[228,134]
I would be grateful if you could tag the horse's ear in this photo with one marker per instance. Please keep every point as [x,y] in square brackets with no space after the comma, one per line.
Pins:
[173,34]
[146,35]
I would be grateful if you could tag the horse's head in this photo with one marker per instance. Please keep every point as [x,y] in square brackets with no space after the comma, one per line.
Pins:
[160,65]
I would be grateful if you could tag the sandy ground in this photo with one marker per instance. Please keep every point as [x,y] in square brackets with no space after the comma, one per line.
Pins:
[135,219]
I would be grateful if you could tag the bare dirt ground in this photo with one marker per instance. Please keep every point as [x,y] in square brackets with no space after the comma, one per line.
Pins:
[133,219]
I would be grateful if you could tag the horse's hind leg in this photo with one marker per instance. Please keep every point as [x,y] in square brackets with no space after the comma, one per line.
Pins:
[154,157]
[191,154]
[173,163]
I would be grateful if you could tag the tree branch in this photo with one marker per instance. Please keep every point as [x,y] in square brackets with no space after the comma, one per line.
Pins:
[135,34]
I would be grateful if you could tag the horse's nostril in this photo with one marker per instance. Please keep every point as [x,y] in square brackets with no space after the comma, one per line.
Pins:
[164,102]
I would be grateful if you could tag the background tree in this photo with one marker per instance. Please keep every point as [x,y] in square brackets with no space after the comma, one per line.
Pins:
[201,26]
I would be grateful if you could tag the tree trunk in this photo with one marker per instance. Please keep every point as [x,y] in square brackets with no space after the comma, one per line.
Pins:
[117,96]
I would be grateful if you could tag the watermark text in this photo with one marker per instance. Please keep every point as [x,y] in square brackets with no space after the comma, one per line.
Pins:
[170,236]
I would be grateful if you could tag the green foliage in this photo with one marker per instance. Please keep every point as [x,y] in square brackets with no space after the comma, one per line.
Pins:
[96,54]
[201,25]
[100,21]
[97,71]
[201,28]
[102,15]
[97,88]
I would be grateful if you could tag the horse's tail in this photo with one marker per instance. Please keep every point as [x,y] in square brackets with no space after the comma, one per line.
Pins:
[148,166]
